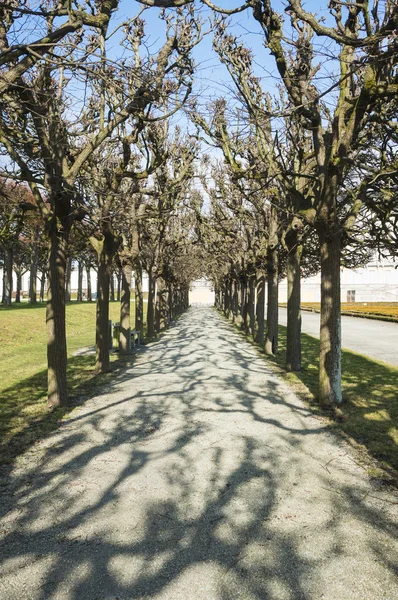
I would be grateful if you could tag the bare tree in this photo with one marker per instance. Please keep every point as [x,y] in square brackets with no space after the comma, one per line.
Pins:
[50,151]
[17,58]
[364,42]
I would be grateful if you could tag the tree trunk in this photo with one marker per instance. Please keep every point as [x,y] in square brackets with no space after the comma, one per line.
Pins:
[102,359]
[165,312]
[7,277]
[79,296]
[157,308]
[242,301]
[151,306]
[19,288]
[139,300]
[250,310]
[170,300]
[89,290]
[228,298]
[271,340]
[186,298]
[161,305]
[293,341]
[244,284]
[43,285]
[55,318]
[67,279]
[112,287]
[260,308]
[119,285]
[3,296]
[33,275]
[330,332]
[233,300]
[222,296]
[125,325]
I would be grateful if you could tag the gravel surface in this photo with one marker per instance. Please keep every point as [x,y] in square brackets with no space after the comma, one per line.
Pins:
[196,475]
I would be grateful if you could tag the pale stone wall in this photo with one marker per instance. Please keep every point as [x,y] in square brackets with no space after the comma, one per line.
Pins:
[377,282]
[201,292]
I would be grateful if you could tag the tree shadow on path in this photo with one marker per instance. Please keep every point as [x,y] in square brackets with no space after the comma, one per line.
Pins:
[193,475]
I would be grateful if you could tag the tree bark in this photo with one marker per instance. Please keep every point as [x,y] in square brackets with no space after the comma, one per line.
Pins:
[151,305]
[139,300]
[330,332]
[230,298]
[251,301]
[55,318]
[271,340]
[3,295]
[89,290]
[125,325]
[67,279]
[18,288]
[7,277]
[293,342]
[161,305]
[79,296]
[105,253]
[260,308]
[242,302]
[33,275]
[170,298]
[112,287]
[43,285]
[119,285]
[244,311]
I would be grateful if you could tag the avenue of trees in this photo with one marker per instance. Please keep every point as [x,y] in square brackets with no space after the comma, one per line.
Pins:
[302,176]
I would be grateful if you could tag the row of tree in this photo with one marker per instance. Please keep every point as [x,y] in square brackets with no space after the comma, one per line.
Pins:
[88,134]
[307,176]
[315,163]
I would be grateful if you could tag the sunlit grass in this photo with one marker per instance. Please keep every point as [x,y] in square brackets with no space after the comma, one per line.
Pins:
[370,393]
[24,416]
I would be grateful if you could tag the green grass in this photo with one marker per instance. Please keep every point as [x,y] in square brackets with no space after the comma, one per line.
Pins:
[24,416]
[370,393]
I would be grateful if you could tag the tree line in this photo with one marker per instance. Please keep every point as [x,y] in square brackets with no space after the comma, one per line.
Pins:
[307,177]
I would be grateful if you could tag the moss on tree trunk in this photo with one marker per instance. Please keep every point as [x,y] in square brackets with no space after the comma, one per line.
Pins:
[330,332]
[293,341]
[125,303]
[55,318]
[271,339]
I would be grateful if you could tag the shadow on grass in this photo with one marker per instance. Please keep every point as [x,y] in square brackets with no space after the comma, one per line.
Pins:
[22,305]
[370,398]
[24,415]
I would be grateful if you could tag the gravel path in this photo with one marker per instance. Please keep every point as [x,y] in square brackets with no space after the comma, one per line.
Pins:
[196,475]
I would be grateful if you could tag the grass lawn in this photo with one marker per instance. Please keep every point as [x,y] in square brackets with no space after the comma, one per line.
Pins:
[370,393]
[24,416]
[385,309]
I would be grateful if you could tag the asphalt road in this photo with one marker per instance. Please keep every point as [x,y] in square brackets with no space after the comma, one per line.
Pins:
[376,339]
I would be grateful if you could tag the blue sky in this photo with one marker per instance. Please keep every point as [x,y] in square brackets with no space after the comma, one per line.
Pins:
[212,80]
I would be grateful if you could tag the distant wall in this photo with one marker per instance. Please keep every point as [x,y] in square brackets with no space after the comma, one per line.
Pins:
[201,292]
[377,282]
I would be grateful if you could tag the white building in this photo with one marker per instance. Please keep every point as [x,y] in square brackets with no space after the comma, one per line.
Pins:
[201,292]
[376,282]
